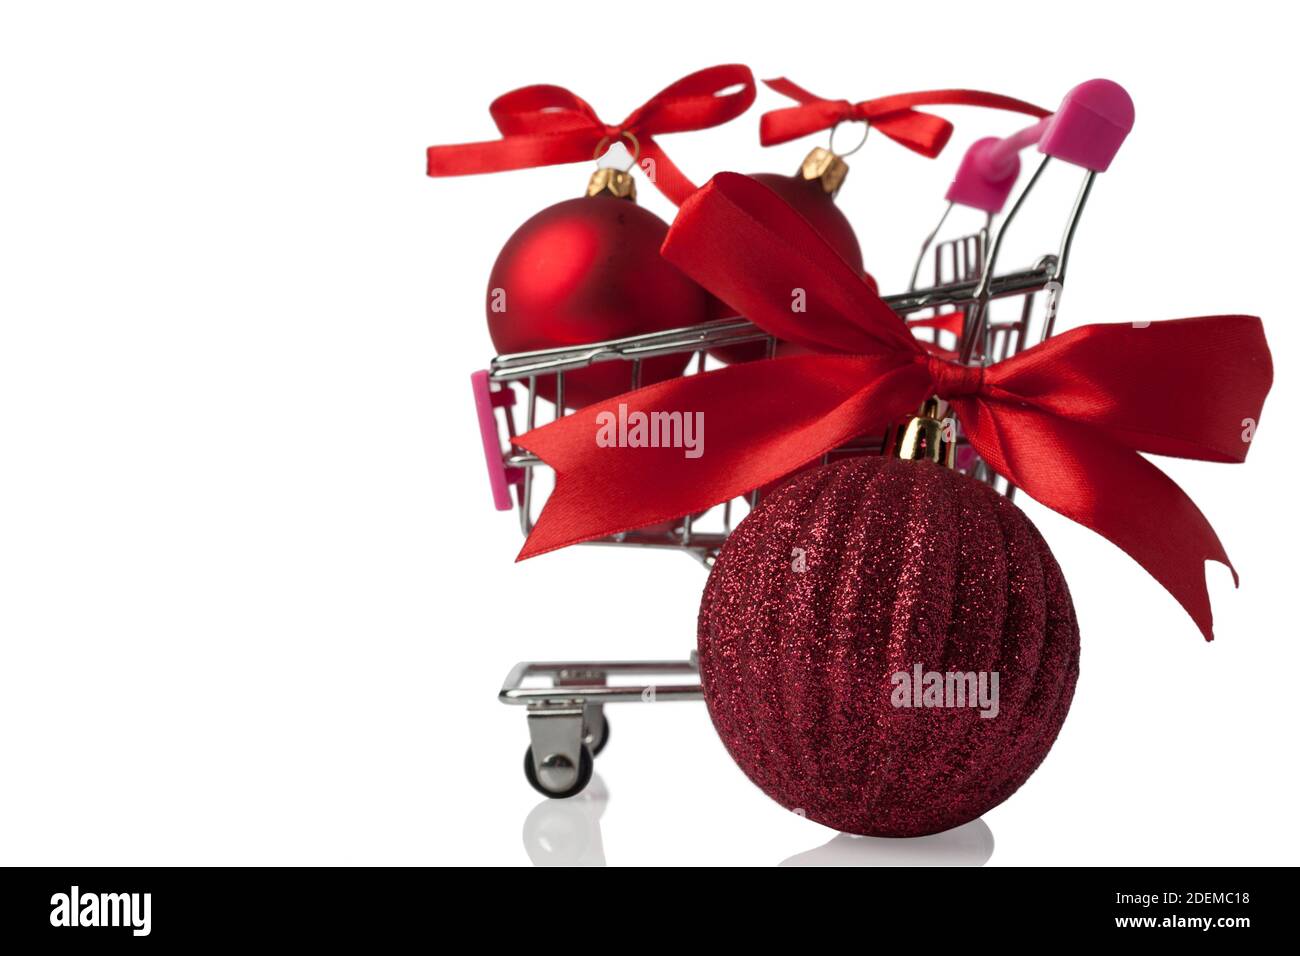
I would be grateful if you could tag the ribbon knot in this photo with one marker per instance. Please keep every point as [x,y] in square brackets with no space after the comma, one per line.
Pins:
[546,125]
[894,115]
[845,109]
[952,380]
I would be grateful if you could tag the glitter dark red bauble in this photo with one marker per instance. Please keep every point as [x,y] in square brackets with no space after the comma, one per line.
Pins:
[904,563]
[811,201]
[586,270]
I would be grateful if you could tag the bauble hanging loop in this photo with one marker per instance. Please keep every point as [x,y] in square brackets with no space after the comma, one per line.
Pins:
[866,131]
[607,139]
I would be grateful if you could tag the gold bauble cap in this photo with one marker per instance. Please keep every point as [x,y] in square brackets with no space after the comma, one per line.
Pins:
[614,182]
[826,167]
[924,436]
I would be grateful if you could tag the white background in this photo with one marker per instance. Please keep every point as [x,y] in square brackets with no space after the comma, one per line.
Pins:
[255,604]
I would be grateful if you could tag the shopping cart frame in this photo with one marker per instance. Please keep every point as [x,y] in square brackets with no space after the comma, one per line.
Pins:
[567,724]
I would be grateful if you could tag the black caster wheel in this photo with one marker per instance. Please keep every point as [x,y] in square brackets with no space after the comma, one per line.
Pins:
[601,737]
[562,770]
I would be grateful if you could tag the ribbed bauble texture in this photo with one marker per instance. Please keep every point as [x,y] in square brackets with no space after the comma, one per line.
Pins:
[586,270]
[855,572]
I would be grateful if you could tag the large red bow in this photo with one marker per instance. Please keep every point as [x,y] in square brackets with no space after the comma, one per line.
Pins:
[1064,420]
[547,125]
[892,115]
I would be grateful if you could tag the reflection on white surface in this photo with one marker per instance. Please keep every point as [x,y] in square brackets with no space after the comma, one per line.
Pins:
[970,844]
[567,832]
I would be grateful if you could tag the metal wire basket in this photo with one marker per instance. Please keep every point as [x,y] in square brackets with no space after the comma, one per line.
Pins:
[954,312]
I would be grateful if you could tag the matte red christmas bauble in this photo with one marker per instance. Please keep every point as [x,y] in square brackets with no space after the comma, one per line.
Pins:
[586,270]
[852,575]
[810,199]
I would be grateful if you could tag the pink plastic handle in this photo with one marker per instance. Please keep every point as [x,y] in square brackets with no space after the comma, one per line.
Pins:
[499,476]
[1087,130]
[999,159]
[986,176]
[1090,126]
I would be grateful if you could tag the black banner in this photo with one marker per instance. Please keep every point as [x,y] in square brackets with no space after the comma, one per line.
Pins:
[135,907]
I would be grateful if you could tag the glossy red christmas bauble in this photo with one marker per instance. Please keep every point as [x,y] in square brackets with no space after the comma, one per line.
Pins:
[811,201]
[586,270]
[852,575]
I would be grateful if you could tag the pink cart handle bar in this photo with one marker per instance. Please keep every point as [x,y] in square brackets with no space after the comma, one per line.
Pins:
[499,476]
[1087,130]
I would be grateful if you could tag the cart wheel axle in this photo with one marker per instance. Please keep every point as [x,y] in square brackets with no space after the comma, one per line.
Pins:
[555,776]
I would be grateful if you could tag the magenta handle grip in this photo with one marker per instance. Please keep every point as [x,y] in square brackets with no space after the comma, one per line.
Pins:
[987,174]
[500,478]
[1090,126]
[1087,130]
[1003,158]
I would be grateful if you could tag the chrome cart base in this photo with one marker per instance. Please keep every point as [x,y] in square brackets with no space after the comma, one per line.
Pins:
[567,726]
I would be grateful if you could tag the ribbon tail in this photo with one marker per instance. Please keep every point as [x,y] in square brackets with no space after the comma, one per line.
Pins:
[791,89]
[512,152]
[920,132]
[665,175]
[1083,474]
[614,472]
[1187,388]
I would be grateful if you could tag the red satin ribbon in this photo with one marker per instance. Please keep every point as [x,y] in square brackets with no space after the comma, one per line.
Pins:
[1064,420]
[547,125]
[892,115]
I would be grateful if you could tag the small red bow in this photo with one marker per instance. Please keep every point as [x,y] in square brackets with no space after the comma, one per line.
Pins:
[547,125]
[892,115]
[1065,420]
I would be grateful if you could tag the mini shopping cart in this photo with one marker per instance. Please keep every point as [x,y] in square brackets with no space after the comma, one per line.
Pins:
[957,302]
